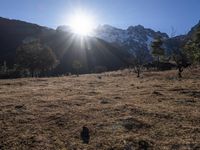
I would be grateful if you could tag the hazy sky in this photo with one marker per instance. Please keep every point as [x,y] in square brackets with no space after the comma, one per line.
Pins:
[156,14]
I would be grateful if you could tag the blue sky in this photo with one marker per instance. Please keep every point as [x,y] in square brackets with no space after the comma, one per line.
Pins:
[156,14]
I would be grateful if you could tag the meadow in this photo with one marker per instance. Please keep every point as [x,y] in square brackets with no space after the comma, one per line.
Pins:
[156,111]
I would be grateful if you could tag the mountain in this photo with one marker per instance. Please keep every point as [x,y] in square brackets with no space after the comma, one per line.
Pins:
[133,38]
[108,47]
[90,51]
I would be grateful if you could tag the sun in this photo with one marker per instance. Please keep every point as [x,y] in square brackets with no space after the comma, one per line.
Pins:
[81,24]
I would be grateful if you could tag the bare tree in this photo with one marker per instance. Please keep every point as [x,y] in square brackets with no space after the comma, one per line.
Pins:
[138,60]
[181,62]
[178,55]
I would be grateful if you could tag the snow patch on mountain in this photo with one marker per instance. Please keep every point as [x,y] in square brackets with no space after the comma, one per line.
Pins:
[135,37]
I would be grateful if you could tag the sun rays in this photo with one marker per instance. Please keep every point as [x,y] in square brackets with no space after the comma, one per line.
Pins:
[81,23]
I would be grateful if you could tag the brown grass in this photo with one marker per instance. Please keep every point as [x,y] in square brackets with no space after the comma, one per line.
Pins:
[156,111]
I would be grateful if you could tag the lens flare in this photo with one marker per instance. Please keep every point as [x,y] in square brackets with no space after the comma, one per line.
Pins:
[81,24]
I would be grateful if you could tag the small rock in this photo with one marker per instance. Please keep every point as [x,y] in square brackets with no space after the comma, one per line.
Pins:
[19,106]
[99,77]
[143,145]
[85,135]
[117,97]
[157,93]
[104,101]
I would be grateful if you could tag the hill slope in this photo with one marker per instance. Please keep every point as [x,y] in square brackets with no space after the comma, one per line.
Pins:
[13,32]
[121,111]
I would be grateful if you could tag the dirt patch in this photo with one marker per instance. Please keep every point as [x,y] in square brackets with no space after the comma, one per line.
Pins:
[133,124]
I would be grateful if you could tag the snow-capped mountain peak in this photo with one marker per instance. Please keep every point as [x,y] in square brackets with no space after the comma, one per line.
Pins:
[134,37]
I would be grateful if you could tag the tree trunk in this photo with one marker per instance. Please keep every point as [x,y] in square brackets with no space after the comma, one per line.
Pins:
[180,70]
[32,73]
[77,73]
[158,62]
[138,72]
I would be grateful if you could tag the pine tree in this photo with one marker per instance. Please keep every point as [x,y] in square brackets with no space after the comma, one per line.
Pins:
[192,48]
[157,50]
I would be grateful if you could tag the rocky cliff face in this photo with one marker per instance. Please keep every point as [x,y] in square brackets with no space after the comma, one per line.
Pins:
[133,38]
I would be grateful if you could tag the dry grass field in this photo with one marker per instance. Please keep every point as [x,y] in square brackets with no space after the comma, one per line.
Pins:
[122,112]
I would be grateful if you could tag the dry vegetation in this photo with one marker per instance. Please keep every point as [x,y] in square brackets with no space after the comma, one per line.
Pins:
[156,111]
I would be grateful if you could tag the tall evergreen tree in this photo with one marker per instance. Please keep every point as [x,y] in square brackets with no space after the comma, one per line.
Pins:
[157,50]
[192,48]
